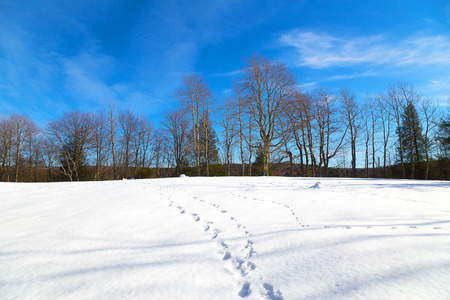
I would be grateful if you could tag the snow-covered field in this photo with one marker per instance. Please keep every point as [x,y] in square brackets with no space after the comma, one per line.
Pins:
[226,238]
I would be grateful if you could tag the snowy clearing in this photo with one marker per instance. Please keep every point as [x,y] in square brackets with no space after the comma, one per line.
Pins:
[226,238]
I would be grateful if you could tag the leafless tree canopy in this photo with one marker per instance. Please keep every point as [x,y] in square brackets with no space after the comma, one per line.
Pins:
[266,125]
[267,87]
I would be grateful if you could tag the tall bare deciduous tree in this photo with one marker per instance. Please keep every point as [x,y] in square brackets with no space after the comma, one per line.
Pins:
[268,86]
[196,99]
[367,135]
[385,122]
[330,129]
[431,122]
[71,137]
[176,128]
[100,138]
[372,107]
[307,116]
[22,128]
[395,106]
[112,126]
[351,115]
[6,142]
[33,145]
[240,123]
[229,124]
[142,141]
[294,112]
[127,124]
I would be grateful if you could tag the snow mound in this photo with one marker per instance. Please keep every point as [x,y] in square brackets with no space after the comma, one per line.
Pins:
[183,176]
[318,185]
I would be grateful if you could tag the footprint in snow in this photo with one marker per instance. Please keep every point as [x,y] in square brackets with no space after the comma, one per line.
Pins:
[248,249]
[226,256]
[224,211]
[196,217]
[244,267]
[269,292]
[224,245]
[216,233]
[245,290]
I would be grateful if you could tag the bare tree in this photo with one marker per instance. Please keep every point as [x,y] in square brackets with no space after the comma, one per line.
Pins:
[112,119]
[71,138]
[385,121]
[128,125]
[100,138]
[330,128]
[48,156]
[268,86]
[6,133]
[395,104]
[159,151]
[142,140]
[33,146]
[22,127]
[431,122]
[175,125]
[240,116]
[302,113]
[372,105]
[196,98]
[351,113]
[206,129]
[228,124]
[367,136]
[249,141]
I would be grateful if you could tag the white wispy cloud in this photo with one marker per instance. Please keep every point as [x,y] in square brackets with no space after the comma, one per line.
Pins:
[83,77]
[320,50]
[308,85]
[351,76]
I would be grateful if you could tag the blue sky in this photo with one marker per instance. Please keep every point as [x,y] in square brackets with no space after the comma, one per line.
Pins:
[57,56]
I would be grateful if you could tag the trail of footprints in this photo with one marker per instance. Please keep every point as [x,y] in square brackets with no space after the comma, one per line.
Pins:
[294,215]
[240,262]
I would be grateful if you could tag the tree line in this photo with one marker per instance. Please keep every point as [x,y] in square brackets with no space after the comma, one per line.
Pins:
[267,122]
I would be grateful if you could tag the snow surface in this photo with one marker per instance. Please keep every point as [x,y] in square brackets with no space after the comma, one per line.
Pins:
[226,238]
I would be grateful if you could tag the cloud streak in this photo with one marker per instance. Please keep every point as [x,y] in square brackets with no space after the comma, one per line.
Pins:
[319,50]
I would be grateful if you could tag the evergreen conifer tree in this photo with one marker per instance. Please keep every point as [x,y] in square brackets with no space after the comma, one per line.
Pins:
[411,136]
[444,137]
